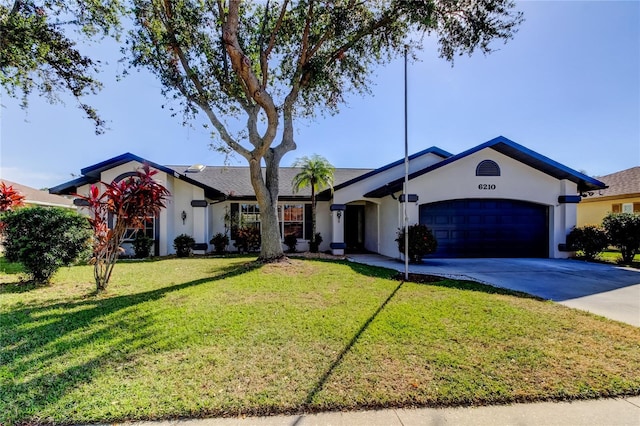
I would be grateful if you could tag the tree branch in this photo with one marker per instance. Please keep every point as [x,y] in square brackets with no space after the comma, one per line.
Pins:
[200,100]
[305,36]
[242,66]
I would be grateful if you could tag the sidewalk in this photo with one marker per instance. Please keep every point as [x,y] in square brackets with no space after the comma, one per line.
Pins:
[611,412]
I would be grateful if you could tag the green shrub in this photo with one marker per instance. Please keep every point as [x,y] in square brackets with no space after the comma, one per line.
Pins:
[220,242]
[291,241]
[142,244]
[421,242]
[314,245]
[44,239]
[590,240]
[623,230]
[183,243]
[247,239]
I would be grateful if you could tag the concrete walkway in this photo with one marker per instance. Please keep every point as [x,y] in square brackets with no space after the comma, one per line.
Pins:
[607,290]
[611,412]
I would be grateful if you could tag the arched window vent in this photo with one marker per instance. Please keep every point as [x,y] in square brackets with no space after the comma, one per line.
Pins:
[488,168]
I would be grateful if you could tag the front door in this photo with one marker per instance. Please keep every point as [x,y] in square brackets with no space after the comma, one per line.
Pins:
[354,228]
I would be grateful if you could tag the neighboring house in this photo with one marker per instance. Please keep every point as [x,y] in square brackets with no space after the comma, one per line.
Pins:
[36,197]
[498,199]
[621,195]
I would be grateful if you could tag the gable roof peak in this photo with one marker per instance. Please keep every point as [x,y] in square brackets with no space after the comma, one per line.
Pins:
[511,149]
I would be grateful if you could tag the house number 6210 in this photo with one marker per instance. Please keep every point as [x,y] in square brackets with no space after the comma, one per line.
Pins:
[487,186]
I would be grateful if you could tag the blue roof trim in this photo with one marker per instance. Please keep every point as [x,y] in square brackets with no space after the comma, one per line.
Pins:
[513,150]
[98,168]
[70,187]
[432,150]
[91,174]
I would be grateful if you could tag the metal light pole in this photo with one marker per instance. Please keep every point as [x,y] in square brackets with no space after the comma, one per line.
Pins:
[406,175]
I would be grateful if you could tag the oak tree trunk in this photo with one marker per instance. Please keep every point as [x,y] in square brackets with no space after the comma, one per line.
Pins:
[266,189]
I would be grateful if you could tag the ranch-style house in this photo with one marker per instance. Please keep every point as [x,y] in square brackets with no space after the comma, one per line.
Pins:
[497,199]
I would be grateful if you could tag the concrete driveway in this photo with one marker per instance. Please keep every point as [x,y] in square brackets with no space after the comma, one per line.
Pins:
[607,290]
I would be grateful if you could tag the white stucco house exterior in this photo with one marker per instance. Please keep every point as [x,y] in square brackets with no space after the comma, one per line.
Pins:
[498,199]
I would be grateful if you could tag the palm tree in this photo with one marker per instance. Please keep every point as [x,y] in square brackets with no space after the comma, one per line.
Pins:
[316,172]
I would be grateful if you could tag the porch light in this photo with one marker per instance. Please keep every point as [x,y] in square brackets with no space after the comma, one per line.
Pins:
[183,216]
[338,208]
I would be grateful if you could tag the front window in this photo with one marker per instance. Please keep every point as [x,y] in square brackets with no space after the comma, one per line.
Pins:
[291,218]
[250,215]
[149,230]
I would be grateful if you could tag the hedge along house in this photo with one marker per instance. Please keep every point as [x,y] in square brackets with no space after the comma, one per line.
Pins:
[498,199]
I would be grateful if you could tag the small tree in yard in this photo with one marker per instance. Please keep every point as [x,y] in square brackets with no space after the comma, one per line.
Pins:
[623,230]
[10,198]
[44,239]
[316,173]
[130,201]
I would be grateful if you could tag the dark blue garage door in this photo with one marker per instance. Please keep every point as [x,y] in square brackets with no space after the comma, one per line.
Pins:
[488,228]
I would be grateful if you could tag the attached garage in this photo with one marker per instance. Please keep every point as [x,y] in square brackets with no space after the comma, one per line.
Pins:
[488,228]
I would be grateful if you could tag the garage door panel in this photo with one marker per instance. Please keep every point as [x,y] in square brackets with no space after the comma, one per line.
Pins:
[488,228]
[458,219]
[441,234]
[475,220]
[441,220]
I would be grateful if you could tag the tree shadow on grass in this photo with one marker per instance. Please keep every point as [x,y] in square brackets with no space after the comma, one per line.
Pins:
[467,285]
[317,388]
[36,369]
[360,268]
[379,272]
[433,280]
[17,287]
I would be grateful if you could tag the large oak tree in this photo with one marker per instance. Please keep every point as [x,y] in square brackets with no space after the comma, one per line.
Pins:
[275,62]
[272,62]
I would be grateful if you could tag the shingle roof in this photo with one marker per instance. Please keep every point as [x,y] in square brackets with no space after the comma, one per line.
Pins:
[235,182]
[625,182]
[37,197]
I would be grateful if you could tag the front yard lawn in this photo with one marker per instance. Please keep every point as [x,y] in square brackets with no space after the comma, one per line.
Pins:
[204,337]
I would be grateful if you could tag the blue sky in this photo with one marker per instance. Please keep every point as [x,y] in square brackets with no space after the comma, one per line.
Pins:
[567,86]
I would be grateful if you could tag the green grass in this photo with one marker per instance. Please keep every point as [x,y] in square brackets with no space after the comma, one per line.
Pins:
[614,256]
[8,268]
[213,337]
